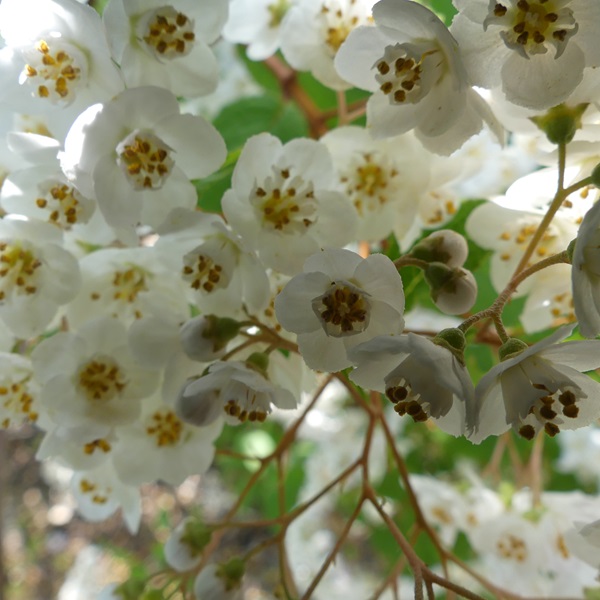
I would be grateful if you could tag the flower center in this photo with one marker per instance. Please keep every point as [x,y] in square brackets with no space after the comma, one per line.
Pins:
[343,310]
[65,205]
[530,26]
[101,379]
[128,284]
[15,399]
[277,10]
[511,547]
[338,19]
[404,72]
[18,266]
[165,427]
[88,488]
[368,183]
[167,33]
[285,203]
[101,445]
[406,401]
[203,272]
[520,236]
[145,159]
[55,70]
[550,410]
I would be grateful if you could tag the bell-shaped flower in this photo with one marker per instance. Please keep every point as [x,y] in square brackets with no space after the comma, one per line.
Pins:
[136,155]
[412,64]
[283,202]
[166,43]
[421,378]
[535,49]
[539,388]
[340,301]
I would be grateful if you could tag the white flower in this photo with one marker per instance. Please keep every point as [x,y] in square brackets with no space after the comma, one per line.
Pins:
[159,445]
[313,32]
[535,49]
[381,178]
[136,155]
[56,55]
[220,582]
[233,390]
[89,378]
[421,378]
[166,42]
[338,302]
[541,387]
[183,548]
[282,203]
[412,63]
[18,392]
[257,23]
[37,275]
[584,542]
[585,274]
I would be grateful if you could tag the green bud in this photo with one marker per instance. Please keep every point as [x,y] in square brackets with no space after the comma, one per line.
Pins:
[259,361]
[231,573]
[561,122]
[438,276]
[220,330]
[511,348]
[196,536]
[571,250]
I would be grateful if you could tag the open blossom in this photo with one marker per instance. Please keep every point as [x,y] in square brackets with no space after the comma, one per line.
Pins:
[412,64]
[540,388]
[166,42]
[283,202]
[535,49]
[56,56]
[338,302]
[421,378]
[136,155]
[313,32]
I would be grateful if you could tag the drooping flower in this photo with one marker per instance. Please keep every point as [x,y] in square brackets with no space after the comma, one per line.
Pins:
[412,64]
[539,388]
[535,49]
[166,42]
[136,155]
[421,378]
[338,302]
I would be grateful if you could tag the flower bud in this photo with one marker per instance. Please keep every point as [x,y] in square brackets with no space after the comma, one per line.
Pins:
[561,122]
[204,338]
[444,246]
[454,291]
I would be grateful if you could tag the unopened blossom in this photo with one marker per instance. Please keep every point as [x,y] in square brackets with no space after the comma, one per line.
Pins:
[160,446]
[585,274]
[136,155]
[233,390]
[540,388]
[421,378]
[381,178]
[218,270]
[313,32]
[284,203]
[37,275]
[259,24]
[340,301]
[412,64]
[55,56]
[166,42]
[89,377]
[535,49]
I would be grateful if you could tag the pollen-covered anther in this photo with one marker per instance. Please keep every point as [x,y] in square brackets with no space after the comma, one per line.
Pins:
[101,379]
[168,33]
[202,272]
[145,159]
[233,409]
[512,547]
[18,270]
[530,25]
[284,202]
[343,310]
[128,284]
[406,402]
[337,23]
[91,489]
[101,445]
[399,75]
[165,427]
[15,398]
[63,203]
